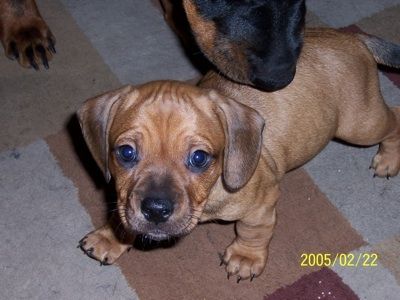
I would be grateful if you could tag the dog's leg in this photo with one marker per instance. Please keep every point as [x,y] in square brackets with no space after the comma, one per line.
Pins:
[247,255]
[374,122]
[107,243]
[386,162]
[24,34]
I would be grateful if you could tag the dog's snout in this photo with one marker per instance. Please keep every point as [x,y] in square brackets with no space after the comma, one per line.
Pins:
[157,210]
[275,79]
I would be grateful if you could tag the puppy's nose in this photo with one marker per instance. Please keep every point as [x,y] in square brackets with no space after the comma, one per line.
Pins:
[156,210]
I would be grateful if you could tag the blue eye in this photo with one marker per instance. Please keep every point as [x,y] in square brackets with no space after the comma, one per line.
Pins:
[127,154]
[199,159]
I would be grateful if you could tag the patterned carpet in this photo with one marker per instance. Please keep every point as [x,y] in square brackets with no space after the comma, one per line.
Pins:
[52,194]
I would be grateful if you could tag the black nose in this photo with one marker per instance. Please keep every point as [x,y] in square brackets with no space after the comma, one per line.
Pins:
[156,210]
[272,77]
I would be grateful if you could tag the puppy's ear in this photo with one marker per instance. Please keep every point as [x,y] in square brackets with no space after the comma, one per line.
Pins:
[95,117]
[243,140]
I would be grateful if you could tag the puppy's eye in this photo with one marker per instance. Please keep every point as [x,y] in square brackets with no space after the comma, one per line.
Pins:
[127,154]
[199,160]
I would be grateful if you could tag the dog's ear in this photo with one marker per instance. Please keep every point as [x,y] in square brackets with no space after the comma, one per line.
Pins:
[243,140]
[95,118]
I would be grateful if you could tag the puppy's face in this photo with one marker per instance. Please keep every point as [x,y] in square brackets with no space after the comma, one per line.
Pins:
[166,155]
[165,146]
[262,38]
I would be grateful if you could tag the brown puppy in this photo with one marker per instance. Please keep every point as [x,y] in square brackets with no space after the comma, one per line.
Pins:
[24,34]
[181,154]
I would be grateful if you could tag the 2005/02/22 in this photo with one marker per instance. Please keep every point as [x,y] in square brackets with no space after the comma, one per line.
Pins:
[341,259]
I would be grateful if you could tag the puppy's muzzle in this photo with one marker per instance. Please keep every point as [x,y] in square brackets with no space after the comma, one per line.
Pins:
[157,210]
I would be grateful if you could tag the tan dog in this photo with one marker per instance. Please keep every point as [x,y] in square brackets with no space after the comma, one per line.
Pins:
[181,154]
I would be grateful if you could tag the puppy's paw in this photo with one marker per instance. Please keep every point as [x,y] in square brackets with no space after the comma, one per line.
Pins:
[29,41]
[244,262]
[386,164]
[102,245]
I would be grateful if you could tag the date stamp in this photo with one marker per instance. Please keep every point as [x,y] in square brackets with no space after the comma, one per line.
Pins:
[350,260]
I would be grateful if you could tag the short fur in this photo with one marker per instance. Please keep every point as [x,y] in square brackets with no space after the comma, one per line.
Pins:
[253,42]
[335,93]
[24,34]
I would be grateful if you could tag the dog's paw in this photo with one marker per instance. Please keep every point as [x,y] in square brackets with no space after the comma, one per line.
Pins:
[102,246]
[30,42]
[386,164]
[244,262]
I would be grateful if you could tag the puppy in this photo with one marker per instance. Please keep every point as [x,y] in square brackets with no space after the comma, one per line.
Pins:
[24,34]
[181,154]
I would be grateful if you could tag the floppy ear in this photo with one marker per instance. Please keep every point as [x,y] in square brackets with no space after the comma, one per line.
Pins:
[243,140]
[95,117]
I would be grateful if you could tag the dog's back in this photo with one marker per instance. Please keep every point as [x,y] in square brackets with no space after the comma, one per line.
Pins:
[336,79]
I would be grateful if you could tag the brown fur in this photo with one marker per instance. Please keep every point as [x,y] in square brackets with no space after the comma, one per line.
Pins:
[24,34]
[335,94]
[175,16]
[222,52]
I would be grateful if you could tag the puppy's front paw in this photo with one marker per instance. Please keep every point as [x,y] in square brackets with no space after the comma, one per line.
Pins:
[244,262]
[102,245]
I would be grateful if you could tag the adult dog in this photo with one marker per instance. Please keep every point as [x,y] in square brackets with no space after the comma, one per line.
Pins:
[252,42]
[181,154]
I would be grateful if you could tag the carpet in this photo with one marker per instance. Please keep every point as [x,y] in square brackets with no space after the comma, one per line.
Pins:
[52,193]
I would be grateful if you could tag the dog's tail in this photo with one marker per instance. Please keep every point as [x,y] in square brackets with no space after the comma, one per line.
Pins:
[384,52]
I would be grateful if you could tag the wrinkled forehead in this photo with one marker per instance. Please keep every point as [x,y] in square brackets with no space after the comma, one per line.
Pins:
[169,114]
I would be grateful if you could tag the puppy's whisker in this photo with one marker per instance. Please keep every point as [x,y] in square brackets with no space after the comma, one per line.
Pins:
[119,229]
